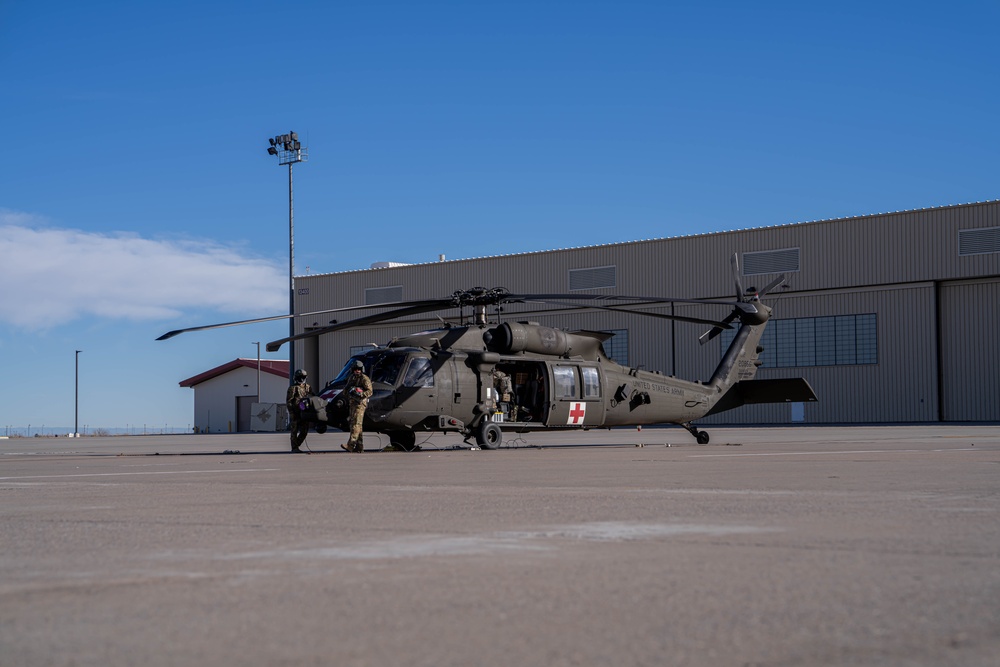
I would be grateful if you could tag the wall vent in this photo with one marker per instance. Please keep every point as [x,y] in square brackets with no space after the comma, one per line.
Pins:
[375,295]
[593,278]
[978,241]
[771,261]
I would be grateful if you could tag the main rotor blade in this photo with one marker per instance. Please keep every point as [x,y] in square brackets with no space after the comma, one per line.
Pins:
[543,298]
[476,296]
[177,332]
[424,307]
[664,316]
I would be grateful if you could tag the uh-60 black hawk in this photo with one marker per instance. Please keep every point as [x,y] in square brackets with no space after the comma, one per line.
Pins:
[483,379]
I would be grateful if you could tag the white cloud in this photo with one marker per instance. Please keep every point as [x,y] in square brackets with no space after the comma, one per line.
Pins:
[49,276]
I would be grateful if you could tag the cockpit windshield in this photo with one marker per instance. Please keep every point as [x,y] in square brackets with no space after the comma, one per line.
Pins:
[381,366]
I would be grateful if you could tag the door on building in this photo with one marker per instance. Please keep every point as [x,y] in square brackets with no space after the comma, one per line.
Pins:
[243,404]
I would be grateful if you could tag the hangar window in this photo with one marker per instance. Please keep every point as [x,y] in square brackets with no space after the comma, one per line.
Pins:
[592,278]
[841,340]
[771,261]
[978,241]
[374,295]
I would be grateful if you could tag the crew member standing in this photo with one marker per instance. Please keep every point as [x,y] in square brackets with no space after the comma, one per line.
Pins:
[298,392]
[358,390]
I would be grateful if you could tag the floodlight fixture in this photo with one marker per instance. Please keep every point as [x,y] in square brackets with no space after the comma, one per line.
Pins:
[287,148]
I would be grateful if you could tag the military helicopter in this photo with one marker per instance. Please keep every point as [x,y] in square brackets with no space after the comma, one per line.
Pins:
[482,379]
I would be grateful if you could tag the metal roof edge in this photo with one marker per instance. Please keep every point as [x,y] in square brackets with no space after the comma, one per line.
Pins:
[662,238]
[278,367]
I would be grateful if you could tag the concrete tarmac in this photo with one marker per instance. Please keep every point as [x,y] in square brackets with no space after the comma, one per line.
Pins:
[769,546]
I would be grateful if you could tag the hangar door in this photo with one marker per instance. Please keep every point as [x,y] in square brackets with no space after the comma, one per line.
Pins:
[970,350]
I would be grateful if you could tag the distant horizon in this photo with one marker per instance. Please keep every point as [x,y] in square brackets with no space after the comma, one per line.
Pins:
[31,431]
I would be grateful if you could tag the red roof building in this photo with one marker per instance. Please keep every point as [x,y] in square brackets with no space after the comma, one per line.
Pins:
[225,396]
[277,367]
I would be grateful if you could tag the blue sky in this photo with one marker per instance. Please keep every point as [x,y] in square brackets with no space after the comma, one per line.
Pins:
[136,195]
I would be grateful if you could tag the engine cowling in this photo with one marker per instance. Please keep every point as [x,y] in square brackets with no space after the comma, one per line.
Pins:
[514,337]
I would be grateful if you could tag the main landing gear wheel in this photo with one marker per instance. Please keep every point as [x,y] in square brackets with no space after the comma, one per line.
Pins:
[403,440]
[489,435]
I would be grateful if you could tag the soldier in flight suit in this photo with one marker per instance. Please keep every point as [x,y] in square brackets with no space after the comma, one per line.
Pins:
[358,390]
[505,391]
[297,392]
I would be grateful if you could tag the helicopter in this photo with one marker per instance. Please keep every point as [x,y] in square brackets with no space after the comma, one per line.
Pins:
[483,379]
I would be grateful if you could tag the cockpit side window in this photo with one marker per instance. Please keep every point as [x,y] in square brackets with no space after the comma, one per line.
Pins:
[385,368]
[419,373]
[345,371]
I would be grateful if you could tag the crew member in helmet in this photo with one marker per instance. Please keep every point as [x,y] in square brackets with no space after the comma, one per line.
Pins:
[358,390]
[298,393]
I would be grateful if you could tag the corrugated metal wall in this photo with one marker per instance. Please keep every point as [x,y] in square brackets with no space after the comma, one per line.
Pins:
[970,322]
[888,264]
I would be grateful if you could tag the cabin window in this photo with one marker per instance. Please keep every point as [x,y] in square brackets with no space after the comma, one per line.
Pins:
[419,374]
[591,382]
[565,381]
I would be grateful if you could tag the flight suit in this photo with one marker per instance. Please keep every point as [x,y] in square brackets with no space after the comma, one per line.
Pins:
[299,428]
[358,401]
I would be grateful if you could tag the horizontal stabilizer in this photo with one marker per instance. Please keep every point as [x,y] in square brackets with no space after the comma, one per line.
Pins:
[780,390]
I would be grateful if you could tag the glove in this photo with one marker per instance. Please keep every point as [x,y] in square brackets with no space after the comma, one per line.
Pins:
[358,392]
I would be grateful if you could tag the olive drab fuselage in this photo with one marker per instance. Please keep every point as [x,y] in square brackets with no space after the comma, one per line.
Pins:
[482,379]
[443,381]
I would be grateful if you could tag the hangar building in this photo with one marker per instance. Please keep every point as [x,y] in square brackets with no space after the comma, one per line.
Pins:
[891,317]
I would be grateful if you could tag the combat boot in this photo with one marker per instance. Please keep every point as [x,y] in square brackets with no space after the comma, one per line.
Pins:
[349,447]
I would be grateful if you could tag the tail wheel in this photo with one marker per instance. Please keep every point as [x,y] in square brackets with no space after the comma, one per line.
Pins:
[489,435]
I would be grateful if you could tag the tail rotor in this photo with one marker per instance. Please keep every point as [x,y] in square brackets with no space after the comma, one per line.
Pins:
[745,308]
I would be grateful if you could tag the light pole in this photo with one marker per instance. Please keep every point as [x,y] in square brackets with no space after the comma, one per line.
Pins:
[257,343]
[76,409]
[289,151]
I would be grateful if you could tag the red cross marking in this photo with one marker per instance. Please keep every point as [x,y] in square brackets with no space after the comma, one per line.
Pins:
[576,413]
